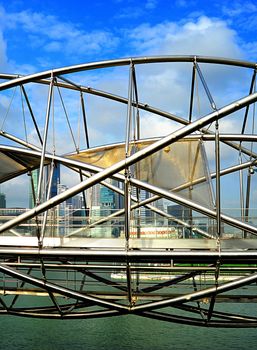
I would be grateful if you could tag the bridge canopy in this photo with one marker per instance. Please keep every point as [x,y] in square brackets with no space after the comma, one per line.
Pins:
[14,163]
[181,167]
[124,214]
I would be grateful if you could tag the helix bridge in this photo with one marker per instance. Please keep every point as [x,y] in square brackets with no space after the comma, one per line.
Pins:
[167,146]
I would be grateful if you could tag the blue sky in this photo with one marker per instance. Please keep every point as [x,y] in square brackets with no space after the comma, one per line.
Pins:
[37,35]
[40,35]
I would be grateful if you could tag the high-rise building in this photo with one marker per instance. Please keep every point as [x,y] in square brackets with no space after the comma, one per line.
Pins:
[101,196]
[35,178]
[78,202]
[33,190]
[55,179]
[118,198]
[64,212]
[2,200]
[146,215]
[60,189]
[93,195]
[107,201]
[182,213]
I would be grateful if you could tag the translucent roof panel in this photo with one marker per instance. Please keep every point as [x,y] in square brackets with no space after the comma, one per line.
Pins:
[14,162]
[177,167]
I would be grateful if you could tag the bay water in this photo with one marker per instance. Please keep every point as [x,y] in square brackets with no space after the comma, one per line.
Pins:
[118,333]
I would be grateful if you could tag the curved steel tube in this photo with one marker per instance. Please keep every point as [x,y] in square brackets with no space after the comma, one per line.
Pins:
[123,62]
[107,257]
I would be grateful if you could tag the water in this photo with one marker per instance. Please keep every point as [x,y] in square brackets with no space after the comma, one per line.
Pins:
[117,333]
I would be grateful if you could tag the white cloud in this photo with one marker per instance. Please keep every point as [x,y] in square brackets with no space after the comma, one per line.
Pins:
[53,46]
[153,126]
[52,35]
[181,3]
[3,53]
[165,86]
[151,4]
[204,36]
[251,49]
[136,11]
[168,86]
[237,8]
[243,16]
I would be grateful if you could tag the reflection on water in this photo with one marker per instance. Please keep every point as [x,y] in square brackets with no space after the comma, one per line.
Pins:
[117,333]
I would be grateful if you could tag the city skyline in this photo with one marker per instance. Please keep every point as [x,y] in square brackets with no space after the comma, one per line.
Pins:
[84,32]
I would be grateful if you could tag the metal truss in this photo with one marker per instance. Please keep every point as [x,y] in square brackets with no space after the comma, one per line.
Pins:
[190,269]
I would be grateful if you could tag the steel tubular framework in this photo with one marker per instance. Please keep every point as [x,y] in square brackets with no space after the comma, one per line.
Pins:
[170,250]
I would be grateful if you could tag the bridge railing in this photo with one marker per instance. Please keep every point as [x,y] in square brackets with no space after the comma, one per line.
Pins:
[77,223]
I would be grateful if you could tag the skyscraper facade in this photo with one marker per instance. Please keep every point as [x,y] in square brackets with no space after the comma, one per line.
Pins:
[107,201]
[55,180]
[33,189]
[2,200]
